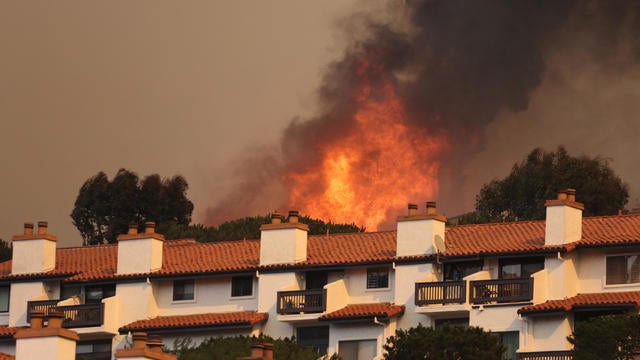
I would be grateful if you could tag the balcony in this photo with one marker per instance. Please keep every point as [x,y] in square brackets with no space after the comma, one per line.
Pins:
[302,301]
[501,291]
[441,292]
[544,355]
[75,316]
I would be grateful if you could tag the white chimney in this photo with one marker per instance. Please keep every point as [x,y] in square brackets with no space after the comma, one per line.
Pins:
[34,253]
[51,342]
[283,243]
[140,253]
[564,219]
[420,234]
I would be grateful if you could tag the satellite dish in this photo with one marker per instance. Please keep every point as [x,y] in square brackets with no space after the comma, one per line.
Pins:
[438,242]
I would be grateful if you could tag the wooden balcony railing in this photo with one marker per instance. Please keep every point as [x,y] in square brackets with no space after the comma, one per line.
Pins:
[501,291]
[302,301]
[440,292]
[544,355]
[75,316]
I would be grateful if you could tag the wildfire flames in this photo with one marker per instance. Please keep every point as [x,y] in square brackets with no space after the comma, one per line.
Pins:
[368,175]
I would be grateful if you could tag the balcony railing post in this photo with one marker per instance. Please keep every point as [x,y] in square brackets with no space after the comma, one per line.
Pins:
[501,290]
[83,315]
[302,301]
[440,292]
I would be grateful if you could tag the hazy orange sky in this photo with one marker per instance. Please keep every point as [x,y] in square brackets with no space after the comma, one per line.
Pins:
[182,87]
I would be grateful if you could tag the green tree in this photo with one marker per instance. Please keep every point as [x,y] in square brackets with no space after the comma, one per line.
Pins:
[537,178]
[615,337]
[249,227]
[104,209]
[443,343]
[229,348]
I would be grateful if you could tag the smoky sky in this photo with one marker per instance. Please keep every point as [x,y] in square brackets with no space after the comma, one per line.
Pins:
[458,64]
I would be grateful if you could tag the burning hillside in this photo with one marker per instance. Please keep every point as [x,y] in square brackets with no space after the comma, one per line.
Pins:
[408,103]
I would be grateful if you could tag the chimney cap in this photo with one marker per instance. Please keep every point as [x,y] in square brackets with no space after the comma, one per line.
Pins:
[149,227]
[276,217]
[42,227]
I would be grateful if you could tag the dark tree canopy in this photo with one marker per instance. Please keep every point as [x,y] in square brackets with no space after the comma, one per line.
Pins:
[104,209]
[246,228]
[615,337]
[443,343]
[522,194]
[229,348]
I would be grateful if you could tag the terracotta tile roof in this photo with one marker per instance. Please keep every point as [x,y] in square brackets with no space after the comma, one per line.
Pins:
[630,298]
[610,230]
[351,248]
[496,238]
[7,331]
[213,320]
[182,257]
[365,311]
[5,356]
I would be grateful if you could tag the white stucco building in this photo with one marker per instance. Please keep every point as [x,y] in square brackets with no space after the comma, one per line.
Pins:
[529,282]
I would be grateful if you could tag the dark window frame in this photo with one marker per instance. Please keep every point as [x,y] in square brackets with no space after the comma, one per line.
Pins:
[242,286]
[378,277]
[630,267]
[526,266]
[2,309]
[180,290]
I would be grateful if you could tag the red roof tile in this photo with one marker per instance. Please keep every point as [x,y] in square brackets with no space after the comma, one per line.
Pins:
[188,257]
[630,298]
[241,318]
[7,331]
[5,356]
[364,311]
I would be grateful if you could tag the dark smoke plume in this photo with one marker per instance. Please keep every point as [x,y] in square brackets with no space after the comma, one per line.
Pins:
[457,63]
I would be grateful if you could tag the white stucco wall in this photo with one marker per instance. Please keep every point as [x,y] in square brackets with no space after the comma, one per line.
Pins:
[360,331]
[416,237]
[46,348]
[561,272]
[33,256]
[563,225]
[20,294]
[546,333]
[356,280]
[136,302]
[283,246]
[405,293]
[139,256]
[496,318]
[591,270]
[268,285]
[211,295]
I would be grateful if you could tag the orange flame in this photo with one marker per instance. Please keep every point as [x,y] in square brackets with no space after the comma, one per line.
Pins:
[368,177]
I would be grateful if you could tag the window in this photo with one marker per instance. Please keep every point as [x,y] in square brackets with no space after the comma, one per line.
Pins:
[511,342]
[5,290]
[623,269]
[241,286]
[357,350]
[457,270]
[517,268]
[183,290]
[316,337]
[461,322]
[95,350]
[378,278]
[87,294]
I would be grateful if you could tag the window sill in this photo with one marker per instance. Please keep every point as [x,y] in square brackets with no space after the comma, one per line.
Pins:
[236,298]
[178,302]
[378,289]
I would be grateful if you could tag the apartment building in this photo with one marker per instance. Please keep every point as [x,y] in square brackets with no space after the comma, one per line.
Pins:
[529,282]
